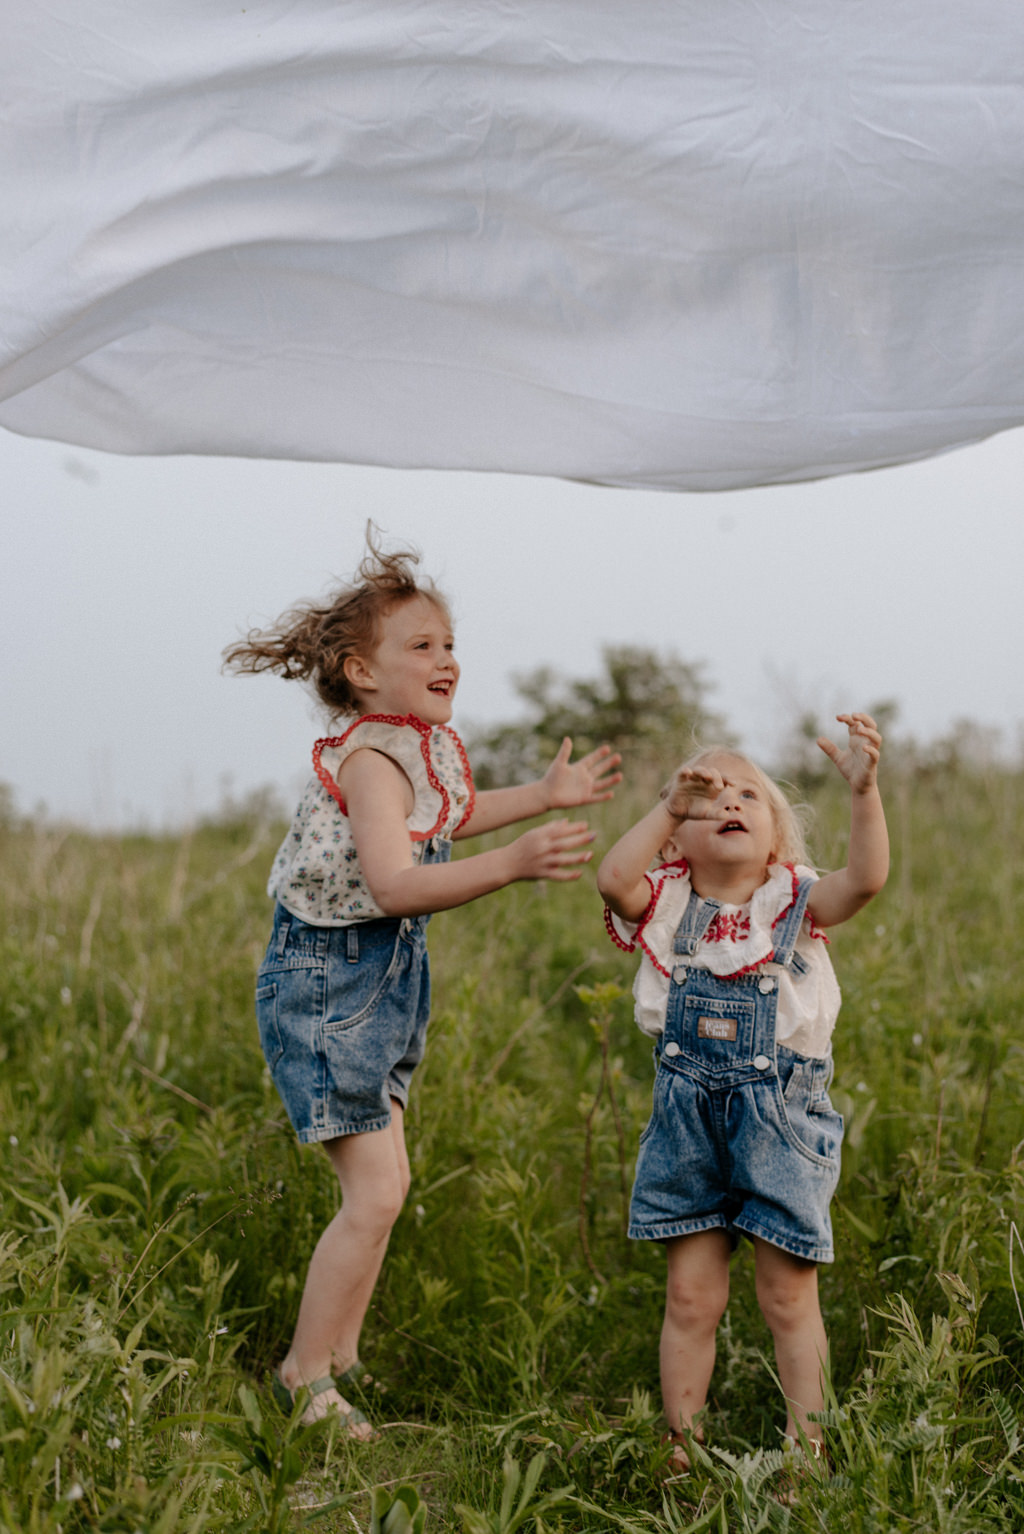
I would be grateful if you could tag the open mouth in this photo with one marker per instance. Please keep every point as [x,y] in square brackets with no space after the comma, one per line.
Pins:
[444,688]
[732,825]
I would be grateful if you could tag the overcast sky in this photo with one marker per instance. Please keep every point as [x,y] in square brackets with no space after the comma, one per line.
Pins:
[122,579]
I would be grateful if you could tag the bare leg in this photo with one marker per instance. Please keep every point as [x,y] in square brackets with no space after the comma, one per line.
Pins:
[787,1292]
[373,1170]
[696,1297]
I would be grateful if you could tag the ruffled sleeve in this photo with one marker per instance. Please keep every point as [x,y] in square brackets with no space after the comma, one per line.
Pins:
[431,756]
[655,931]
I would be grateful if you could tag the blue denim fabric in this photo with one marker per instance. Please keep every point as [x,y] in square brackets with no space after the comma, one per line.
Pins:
[743,1136]
[343,1015]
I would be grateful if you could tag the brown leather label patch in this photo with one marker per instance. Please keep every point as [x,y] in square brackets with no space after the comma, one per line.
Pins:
[716,1028]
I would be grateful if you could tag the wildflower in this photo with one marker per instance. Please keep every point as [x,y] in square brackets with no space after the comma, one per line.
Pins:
[75,1492]
[113,1442]
[12,1139]
[65,995]
[917,1040]
[880,930]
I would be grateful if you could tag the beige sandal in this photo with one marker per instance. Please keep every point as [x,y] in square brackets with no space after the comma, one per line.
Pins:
[350,1419]
[678,1463]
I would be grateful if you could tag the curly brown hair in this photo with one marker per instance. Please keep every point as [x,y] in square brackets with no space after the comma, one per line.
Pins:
[311,642]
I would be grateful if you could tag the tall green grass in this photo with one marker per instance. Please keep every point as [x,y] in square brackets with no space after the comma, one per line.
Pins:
[158,1214]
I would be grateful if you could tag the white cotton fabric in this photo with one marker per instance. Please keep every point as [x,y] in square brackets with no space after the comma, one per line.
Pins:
[688,244]
[808,1003]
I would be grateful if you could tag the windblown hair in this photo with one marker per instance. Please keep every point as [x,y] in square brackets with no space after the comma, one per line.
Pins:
[790,843]
[311,642]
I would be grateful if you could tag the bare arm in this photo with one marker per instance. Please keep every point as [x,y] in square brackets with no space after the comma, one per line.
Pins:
[377,796]
[620,877]
[564,785]
[838,896]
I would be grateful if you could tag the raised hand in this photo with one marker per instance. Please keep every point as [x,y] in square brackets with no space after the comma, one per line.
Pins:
[587,781]
[552,851]
[859,762]
[693,794]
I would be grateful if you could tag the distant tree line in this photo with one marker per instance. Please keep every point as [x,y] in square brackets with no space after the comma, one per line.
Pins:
[653,706]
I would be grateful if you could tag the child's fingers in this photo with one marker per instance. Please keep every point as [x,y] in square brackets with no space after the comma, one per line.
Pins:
[829,747]
[860,724]
[703,781]
[570,833]
[598,755]
[604,788]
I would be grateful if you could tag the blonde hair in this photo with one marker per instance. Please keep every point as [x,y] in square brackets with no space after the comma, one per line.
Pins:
[790,844]
[312,642]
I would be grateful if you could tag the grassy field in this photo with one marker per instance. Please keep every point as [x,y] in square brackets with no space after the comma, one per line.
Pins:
[157,1214]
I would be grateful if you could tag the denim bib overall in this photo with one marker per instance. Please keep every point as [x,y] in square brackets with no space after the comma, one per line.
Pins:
[742,1136]
[343,1015]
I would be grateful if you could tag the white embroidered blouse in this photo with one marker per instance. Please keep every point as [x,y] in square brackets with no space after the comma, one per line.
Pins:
[316,873]
[740,939]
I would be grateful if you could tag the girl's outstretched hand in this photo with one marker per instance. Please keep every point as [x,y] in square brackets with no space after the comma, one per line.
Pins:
[693,792]
[552,851]
[859,762]
[587,781]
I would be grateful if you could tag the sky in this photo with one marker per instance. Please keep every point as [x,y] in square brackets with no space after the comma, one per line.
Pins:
[122,579]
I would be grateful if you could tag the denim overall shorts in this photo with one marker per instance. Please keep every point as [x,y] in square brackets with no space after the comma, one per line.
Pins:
[742,1136]
[342,1014]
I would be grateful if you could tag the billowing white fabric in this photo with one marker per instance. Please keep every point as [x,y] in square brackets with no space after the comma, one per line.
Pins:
[688,244]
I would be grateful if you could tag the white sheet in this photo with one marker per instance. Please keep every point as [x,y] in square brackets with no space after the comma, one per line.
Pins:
[679,243]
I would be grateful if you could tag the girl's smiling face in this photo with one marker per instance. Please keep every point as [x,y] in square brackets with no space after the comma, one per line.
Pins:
[413,669]
[740,831]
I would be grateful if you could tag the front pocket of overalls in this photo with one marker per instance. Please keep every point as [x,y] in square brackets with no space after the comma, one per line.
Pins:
[356,986]
[812,1120]
[718,1032]
[266,1019]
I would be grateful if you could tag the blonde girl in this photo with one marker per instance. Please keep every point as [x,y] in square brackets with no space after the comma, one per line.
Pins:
[343,992]
[736,987]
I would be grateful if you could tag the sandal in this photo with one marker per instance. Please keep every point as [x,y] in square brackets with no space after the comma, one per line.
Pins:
[349,1419]
[357,1377]
[678,1462]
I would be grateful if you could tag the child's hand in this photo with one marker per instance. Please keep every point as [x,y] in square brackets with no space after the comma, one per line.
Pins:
[551,851]
[587,781]
[693,792]
[859,762]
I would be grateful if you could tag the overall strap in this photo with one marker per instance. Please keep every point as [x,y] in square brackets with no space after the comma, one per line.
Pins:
[697,918]
[788,929]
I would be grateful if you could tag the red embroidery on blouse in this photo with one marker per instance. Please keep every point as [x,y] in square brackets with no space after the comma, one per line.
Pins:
[813,930]
[661,876]
[795,890]
[724,927]
[620,942]
[748,969]
[424,731]
[727,928]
